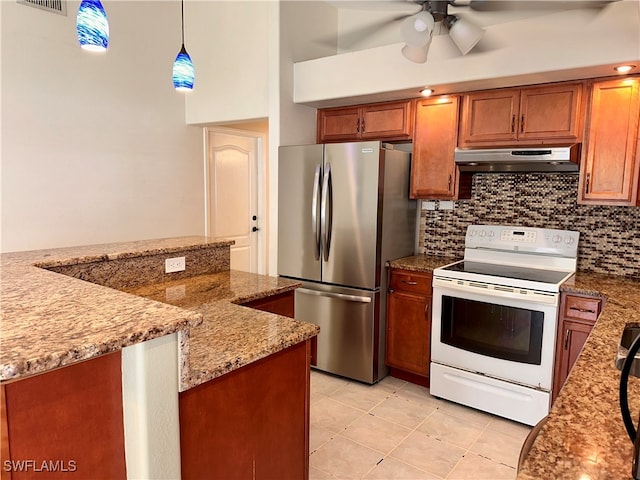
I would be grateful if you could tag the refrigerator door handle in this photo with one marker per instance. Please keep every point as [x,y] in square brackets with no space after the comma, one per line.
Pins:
[315,218]
[326,211]
[341,296]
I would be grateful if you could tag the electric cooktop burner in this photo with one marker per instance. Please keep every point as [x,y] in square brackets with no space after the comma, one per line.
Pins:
[508,271]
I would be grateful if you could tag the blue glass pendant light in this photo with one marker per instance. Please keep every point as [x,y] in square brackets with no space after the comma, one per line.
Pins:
[92,26]
[183,71]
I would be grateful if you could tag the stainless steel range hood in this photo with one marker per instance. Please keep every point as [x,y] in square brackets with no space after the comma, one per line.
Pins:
[505,160]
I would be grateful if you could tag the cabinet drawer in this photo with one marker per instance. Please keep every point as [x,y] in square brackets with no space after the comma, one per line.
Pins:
[584,308]
[407,281]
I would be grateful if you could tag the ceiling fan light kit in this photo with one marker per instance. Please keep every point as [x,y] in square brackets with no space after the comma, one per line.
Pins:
[415,54]
[463,33]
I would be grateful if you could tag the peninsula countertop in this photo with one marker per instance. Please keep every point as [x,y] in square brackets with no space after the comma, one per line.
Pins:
[50,320]
[584,436]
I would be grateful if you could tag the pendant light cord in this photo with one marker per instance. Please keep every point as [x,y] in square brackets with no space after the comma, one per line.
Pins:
[182,9]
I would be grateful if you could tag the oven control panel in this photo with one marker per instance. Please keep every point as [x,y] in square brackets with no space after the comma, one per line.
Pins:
[526,239]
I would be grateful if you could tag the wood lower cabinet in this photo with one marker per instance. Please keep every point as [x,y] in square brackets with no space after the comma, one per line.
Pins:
[282,304]
[610,171]
[391,121]
[577,316]
[434,174]
[252,423]
[67,422]
[549,114]
[408,351]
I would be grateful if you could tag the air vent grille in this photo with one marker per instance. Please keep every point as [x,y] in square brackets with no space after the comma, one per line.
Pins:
[56,6]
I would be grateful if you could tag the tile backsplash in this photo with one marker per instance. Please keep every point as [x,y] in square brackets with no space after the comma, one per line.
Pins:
[609,236]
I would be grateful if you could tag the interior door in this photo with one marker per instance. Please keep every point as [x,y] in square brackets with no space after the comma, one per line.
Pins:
[233,209]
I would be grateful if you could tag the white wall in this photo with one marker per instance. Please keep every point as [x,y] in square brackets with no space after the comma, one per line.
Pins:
[94,146]
[228,43]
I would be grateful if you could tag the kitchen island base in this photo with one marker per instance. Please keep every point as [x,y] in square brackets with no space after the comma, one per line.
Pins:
[250,423]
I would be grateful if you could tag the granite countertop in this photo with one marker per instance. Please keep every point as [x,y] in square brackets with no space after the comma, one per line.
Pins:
[584,437]
[231,335]
[50,320]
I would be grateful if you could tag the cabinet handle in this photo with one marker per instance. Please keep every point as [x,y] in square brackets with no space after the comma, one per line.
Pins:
[449,185]
[426,311]
[567,334]
[390,290]
[358,126]
[588,180]
[582,310]
[522,124]
[513,124]
[409,283]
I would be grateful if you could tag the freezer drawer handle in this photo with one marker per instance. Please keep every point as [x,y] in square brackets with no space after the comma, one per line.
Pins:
[342,296]
[315,218]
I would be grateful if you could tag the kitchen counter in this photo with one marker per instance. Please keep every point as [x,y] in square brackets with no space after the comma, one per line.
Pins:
[231,335]
[584,437]
[50,320]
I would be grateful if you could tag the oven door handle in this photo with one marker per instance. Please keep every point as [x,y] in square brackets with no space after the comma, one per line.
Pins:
[451,287]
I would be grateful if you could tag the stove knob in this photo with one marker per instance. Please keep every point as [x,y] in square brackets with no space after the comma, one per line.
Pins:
[483,233]
[556,239]
[568,240]
[491,233]
[472,233]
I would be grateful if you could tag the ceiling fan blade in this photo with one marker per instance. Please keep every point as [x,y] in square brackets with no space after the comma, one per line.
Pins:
[354,36]
[532,5]
[381,5]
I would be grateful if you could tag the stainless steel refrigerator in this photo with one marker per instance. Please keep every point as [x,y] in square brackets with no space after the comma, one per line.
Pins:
[343,211]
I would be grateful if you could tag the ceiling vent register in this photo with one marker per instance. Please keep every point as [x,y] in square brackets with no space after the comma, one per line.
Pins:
[55,6]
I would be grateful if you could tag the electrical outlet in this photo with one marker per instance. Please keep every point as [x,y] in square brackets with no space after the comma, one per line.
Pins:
[176,264]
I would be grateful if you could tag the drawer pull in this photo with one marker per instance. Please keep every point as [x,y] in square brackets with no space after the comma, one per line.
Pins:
[582,310]
[409,282]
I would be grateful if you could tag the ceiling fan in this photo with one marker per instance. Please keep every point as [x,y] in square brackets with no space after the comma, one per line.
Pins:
[433,17]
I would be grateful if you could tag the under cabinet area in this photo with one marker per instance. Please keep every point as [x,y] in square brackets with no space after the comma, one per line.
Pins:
[408,351]
[433,170]
[610,170]
[281,304]
[391,121]
[578,315]
[529,116]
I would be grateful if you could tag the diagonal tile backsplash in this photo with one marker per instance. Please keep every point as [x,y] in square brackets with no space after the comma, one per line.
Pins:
[609,236]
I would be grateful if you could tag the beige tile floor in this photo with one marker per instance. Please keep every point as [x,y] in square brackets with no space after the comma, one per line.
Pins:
[396,430]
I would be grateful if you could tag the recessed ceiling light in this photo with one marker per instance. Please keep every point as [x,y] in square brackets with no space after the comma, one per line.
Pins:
[426,92]
[624,68]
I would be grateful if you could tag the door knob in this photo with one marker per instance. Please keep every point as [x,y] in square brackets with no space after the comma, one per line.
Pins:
[254,229]
[254,218]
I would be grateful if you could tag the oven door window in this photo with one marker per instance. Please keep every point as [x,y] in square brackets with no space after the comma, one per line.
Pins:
[499,331]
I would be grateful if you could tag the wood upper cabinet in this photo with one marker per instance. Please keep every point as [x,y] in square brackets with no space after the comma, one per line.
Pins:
[610,171]
[408,350]
[550,114]
[433,170]
[382,121]
[578,314]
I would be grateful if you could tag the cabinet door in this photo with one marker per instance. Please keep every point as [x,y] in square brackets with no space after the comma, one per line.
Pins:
[433,171]
[551,113]
[339,124]
[610,172]
[578,314]
[408,332]
[387,121]
[489,118]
